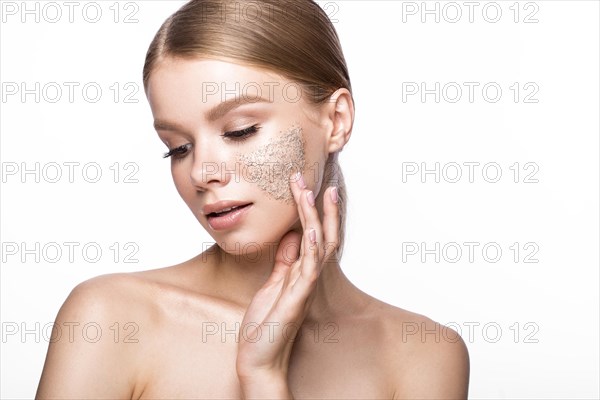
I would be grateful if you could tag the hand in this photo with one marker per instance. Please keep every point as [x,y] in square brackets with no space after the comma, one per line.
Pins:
[276,312]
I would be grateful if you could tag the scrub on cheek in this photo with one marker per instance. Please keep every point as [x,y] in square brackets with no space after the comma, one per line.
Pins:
[271,165]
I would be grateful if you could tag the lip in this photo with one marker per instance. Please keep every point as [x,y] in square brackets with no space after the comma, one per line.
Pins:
[222,205]
[230,219]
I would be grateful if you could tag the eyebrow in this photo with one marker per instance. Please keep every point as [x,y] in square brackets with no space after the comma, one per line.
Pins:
[214,113]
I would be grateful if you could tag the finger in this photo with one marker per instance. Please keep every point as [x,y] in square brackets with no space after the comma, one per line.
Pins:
[312,218]
[297,186]
[312,237]
[331,223]
[288,250]
[285,257]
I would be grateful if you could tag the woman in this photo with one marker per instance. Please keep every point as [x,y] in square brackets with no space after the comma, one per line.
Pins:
[253,101]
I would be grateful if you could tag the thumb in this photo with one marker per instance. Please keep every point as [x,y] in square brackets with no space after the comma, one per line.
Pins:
[287,253]
[288,250]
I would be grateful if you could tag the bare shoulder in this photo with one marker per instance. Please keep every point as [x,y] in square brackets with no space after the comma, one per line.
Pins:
[109,297]
[426,359]
[133,298]
[108,325]
[94,339]
[101,293]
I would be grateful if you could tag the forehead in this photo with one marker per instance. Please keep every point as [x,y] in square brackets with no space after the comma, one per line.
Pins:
[213,81]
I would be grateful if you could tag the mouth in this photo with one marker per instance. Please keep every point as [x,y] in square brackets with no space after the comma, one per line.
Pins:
[229,217]
[227,211]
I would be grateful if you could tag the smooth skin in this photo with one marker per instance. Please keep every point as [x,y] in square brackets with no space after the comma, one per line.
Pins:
[284,322]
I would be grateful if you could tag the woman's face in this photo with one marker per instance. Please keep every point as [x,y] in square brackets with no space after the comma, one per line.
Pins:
[240,132]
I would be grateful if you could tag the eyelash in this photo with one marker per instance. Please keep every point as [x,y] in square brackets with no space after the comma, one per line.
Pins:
[238,136]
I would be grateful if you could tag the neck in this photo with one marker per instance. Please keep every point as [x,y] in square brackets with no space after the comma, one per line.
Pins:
[239,277]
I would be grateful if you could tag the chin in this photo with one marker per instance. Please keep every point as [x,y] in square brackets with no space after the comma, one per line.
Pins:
[258,234]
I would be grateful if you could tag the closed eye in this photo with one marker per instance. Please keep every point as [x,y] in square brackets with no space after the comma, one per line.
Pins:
[242,134]
[178,151]
[181,151]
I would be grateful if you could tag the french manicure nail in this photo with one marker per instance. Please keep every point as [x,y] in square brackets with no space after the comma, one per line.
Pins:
[312,234]
[301,181]
[334,194]
[311,198]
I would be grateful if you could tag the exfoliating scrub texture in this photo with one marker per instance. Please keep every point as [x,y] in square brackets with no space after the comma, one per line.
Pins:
[271,165]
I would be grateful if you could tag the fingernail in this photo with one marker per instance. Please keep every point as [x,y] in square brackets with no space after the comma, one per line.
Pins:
[312,234]
[311,198]
[334,194]
[301,181]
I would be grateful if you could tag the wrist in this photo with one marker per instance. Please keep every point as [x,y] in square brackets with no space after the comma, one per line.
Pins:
[265,385]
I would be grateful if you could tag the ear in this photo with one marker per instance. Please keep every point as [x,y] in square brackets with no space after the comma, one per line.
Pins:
[340,113]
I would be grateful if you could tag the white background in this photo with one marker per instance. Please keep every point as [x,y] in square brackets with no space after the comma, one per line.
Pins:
[534,324]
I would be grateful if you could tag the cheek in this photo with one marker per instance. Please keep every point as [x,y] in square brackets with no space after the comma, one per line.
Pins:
[270,166]
[181,179]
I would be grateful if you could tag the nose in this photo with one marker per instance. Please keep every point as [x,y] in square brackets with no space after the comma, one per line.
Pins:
[209,169]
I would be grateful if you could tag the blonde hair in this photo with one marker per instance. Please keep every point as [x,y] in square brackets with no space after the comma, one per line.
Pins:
[293,38]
